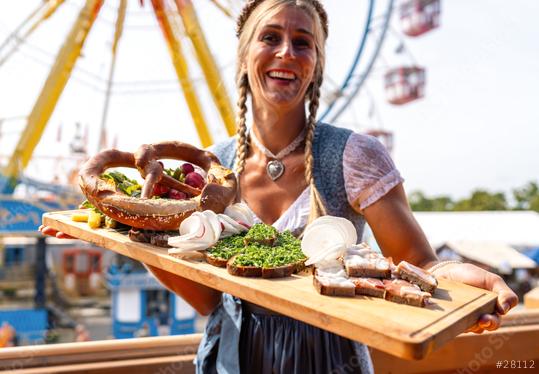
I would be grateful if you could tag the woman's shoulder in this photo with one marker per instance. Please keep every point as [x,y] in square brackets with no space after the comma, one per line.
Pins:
[369,172]
[368,145]
[357,142]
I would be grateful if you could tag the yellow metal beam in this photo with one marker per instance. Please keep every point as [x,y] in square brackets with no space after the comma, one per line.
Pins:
[52,89]
[207,63]
[182,71]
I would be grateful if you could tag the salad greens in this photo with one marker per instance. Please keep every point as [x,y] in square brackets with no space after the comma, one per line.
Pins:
[128,186]
[286,249]
[228,247]
[261,233]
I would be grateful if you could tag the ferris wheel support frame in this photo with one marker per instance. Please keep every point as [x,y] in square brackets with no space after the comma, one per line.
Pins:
[182,71]
[207,63]
[50,94]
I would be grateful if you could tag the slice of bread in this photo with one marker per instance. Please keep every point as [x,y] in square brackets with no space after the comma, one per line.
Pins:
[279,271]
[243,271]
[215,261]
[338,286]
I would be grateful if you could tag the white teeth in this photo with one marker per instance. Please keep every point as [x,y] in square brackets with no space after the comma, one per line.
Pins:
[281,75]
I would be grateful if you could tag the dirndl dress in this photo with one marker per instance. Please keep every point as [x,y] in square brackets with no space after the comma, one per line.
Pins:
[241,337]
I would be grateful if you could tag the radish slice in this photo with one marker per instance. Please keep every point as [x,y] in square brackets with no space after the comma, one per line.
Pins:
[185,246]
[214,223]
[196,233]
[192,227]
[230,227]
[241,213]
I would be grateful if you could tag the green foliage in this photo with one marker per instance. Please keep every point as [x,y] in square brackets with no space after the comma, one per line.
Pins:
[482,200]
[420,203]
[525,198]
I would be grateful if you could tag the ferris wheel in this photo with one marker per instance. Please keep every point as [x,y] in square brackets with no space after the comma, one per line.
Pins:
[190,31]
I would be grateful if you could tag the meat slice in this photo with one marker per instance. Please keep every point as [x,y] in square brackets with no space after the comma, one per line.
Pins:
[401,291]
[364,262]
[369,286]
[413,274]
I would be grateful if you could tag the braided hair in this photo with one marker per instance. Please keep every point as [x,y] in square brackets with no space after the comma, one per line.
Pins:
[248,19]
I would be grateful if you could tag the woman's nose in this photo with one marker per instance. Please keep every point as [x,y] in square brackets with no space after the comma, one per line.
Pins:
[286,49]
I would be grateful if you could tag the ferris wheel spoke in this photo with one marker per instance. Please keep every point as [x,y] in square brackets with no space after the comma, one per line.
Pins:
[47,9]
[362,76]
[356,60]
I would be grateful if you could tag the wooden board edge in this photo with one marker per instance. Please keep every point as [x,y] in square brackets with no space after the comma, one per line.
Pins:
[427,341]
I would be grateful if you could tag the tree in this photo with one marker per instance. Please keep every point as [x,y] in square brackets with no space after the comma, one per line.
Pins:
[527,197]
[420,203]
[482,200]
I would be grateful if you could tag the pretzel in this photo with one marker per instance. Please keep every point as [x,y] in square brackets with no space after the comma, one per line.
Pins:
[157,214]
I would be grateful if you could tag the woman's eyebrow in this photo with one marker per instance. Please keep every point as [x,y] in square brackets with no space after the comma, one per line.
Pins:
[279,27]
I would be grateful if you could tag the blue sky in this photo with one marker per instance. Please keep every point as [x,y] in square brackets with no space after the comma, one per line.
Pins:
[477,127]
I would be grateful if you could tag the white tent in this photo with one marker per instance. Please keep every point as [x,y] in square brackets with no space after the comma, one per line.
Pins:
[514,228]
[496,255]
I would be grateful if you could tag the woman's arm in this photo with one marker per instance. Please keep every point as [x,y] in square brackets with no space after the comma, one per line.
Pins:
[399,236]
[203,299]
[396,231]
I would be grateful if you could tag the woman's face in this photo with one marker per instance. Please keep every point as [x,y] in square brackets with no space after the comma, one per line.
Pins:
[281,58]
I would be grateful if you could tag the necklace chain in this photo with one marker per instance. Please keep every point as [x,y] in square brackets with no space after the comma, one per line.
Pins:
[283,152]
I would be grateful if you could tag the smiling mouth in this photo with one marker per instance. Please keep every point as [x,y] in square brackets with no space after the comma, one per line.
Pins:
[282,75]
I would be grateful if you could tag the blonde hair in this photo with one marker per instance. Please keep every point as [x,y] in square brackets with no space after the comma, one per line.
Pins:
[253,12]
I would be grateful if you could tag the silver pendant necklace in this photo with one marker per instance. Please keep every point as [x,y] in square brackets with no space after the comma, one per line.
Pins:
[275,167]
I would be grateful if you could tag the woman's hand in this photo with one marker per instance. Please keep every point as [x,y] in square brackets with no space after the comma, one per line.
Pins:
[475,276]
[49,231]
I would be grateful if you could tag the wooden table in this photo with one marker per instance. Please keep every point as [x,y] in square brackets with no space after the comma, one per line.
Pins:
[401,330]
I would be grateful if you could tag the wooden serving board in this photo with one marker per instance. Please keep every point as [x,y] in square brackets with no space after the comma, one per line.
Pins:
[402,330]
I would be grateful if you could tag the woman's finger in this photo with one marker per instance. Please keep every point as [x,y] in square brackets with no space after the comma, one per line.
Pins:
[489,321]
[61,235]
[46,230]
[475,329]
[495,322]
[485,321]
[507,299]
[49,231]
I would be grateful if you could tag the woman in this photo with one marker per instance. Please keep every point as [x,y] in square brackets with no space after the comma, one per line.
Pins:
[292,170]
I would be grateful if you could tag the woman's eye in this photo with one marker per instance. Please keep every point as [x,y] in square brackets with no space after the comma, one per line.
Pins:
[302,43]
[270,38]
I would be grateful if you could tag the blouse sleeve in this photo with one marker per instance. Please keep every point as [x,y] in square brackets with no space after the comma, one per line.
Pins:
[369,171]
